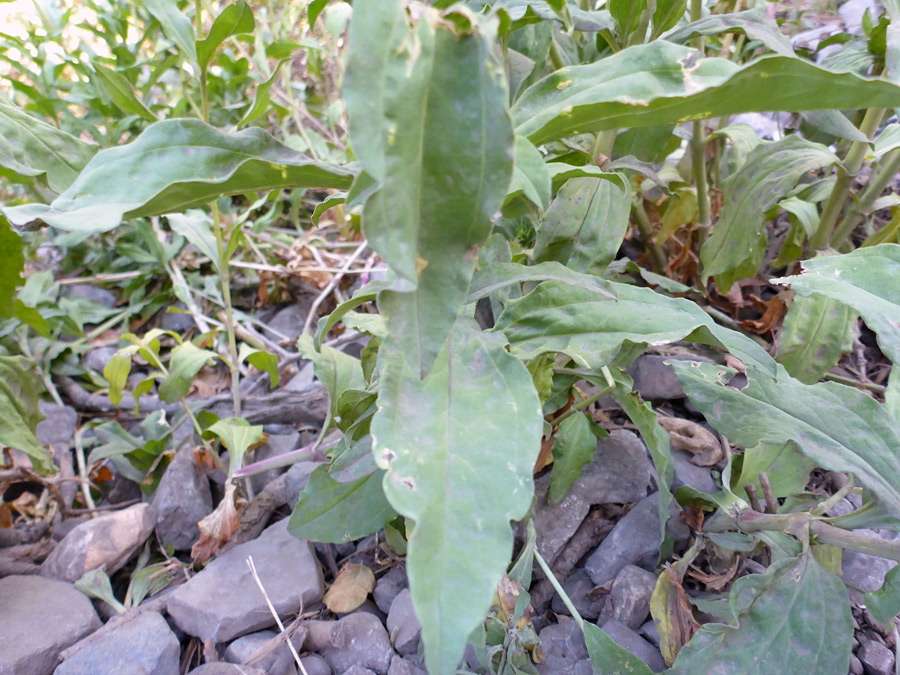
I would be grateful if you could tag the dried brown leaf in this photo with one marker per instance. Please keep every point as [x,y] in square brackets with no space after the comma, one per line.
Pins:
[697,440]
[218,527]
[350,589]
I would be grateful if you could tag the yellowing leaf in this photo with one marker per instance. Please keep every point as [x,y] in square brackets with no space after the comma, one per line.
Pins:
[350,589]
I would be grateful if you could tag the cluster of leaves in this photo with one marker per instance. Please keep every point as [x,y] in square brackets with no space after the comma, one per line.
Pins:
[502,150]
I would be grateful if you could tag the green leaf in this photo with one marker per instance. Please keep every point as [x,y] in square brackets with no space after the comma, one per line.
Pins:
[20,386]
[235,19]
[661,83]
[172,166]
[12,263]
[430,436]
[573,447]
[31,147]
[122,93]
[186,361]
[261,99]
[237,435]
[609,658]
[884,604]
[838,427]
[754,23]
[787,468]
[197,227]
[116,372]
[498,275]
[337,513]
[530,176]
[817,332]
[794,618]
[421,100]
[175,25]
[585,224]
[261,360]
[627,15]
[336,370]
[667,15]
[313,9]
[591,328]
[771,171]
[96,584]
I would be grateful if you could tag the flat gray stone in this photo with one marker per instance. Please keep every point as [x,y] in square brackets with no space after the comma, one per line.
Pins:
[578,586]
[627,639]
[403,625]
[178,322]
[107,541]
[655,380]
[223,602]
[402,666]
[629,598]
[225,669]
[619,473]
[303,379]
[865,573]
[358,639]
[93,293]
[40,618]
[650,632]
[876,658]
[181,500]
[633,541]
[277,445]
[563,646]
[244,647]
[143,645]
[388,587]
[96,359]
[358,670]
[58,427]
[689,474]
[289,321]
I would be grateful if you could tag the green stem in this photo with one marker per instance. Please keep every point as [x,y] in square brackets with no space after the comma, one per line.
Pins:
[845,173]
[559,589]
[556,57]
[657,257]
[884,173]
[698,142]
[578,407]
[603,145]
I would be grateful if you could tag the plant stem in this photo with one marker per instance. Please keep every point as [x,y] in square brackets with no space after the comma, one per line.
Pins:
[558,588]
[657,257]
[603,145]
[698,143]
[578,407]
[884,173]
[845,173]
[556,57]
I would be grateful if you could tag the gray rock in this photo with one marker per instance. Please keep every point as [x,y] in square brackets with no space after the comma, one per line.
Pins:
[289,321]
[58,425]
[93,293]
[856,666]
[876,659]
[296,480]
[313,663]
[655,380]
[584,667]
[578,586]
[39,618]
[689,474]
[852,12]
[303,379]
[620,472]
[401,666]
[96,359]
[145,644]
[403,625]
[107,541]
[223,602]
[629,598]
[225,669]
[245,647]
[181,501]
[178,322]
[358,670]
[627,639]
[651,632]
[865,573]
[388,587]
[278,444]
[633,541]
[563,646]
[358,639]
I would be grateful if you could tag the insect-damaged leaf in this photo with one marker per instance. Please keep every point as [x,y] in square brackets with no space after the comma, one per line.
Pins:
[794,618]
[172,166]
[428,121]
[663,83]
[461,475]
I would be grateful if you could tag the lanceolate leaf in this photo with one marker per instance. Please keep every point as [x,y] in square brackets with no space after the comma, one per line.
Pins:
[530,175]
[122,93]
[573,447]
[336,370]
[235,19]
[498,275]
[32,147]
[175,24]
[20,386]
[431,436]
[187,360]
[608,657]
[591,329]
[817,332]
[794,618]
[12,262]
[771,171]
[172,166]
[838,427]
[663,83]
[754,23]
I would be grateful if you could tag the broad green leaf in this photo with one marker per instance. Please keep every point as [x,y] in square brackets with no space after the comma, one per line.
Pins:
[662,83]
[627,15]
[495,276]
[337,513]
[122,93]
[585,224]
[185,361]
[12,262]
[787,468]
[794,618]
[884,604]
[431,436]
[175,25]
[834,122]
[592,329]
[116,372]
[235,19]
[31,147]
[754,23]
[172,166]
[817,332]
[238,436]
[313,9]
[667,15]
[96,584]
[336,370]
[20,387]
[261,360]
[261,99]
[573,447]
[530,176]
[609,658]
[428,120]
[743,140]
[770,172]
[197,227]
[838,427]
